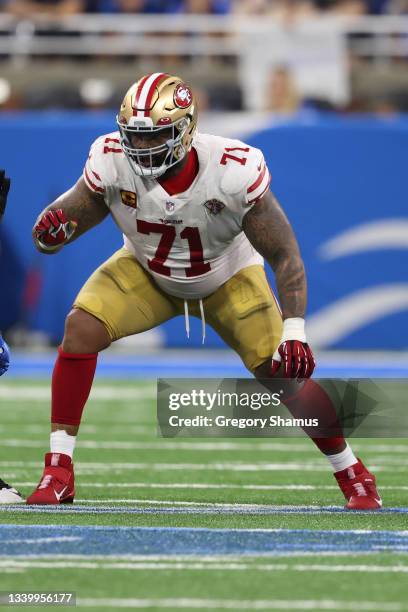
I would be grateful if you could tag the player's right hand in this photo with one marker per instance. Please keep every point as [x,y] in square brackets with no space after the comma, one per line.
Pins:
[293,353]
[53,229]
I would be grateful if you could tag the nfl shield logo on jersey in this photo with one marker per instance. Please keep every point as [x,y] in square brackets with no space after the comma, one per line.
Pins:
[170,206]
[214,206]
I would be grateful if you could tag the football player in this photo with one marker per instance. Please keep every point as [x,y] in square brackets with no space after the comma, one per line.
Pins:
[198,220]
[8,495]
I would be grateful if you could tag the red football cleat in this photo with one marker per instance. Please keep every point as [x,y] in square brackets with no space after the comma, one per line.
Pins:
[57,483]
[358,486]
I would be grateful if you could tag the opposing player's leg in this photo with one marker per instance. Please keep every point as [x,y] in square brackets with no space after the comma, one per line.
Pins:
[8,494]
[246,315]
[118,300]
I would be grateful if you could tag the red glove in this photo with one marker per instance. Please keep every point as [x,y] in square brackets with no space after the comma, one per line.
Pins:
[293,351]
[54,229]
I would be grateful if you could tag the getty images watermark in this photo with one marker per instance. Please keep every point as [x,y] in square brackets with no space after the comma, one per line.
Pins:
[369,408]
[213,401]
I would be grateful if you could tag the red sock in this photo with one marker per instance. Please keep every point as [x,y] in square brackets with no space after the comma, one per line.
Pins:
[330,446]
[71,384]
[313,401]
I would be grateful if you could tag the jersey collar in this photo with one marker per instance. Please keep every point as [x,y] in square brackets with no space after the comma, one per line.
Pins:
[184,179]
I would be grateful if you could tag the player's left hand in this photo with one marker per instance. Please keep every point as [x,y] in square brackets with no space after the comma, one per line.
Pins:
[293,352]
[4,356]
[53,229]
[4,189]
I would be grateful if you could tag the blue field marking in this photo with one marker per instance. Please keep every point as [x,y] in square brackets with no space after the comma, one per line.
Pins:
[233,509]
[199,364]
[119,541]
[147,366]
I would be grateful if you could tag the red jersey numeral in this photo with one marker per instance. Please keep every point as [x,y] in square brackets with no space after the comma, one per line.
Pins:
[168,232]
[116,149]
[226,156]
[198,266]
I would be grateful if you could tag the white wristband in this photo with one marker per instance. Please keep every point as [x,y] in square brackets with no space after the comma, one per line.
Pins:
[294,329]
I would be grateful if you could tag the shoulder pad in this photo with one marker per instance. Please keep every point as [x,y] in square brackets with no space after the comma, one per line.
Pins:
[233,180]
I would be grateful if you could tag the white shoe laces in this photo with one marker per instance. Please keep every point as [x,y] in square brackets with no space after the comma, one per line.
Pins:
[360,489]
[187,319]
[45,481]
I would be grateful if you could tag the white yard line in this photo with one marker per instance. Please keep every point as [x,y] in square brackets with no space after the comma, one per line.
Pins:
[235,467]
[115,507]
[194,485]
[194,565]
[91,468]
[249,557]
[237,604]
[205,504]
[204,486]
[161,502]
[100,393]
[41,430]
[162,444]
[293,446]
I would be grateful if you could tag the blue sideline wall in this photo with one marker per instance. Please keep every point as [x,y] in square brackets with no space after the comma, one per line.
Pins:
[343,183]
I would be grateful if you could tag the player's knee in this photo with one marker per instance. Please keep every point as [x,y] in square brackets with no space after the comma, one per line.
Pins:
[288,387]
[84,333]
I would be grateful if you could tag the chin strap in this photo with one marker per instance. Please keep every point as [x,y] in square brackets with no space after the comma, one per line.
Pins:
[187,319]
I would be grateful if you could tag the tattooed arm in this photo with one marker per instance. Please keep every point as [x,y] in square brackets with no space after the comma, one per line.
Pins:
[82,209]
[270,233]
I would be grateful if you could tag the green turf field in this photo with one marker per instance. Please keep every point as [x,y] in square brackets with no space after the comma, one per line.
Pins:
[128,477]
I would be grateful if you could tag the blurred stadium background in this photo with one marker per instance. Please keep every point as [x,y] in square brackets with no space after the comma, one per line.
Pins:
[321,86]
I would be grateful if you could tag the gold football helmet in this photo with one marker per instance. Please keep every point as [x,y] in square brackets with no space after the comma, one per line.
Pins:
[158,110]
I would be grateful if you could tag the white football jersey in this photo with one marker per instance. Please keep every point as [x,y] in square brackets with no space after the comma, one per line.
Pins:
[191,242]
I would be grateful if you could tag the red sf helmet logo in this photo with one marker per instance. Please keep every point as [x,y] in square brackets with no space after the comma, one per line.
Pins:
[183,96]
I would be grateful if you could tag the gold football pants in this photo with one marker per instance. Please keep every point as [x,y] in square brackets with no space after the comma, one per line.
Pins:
[243,311]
